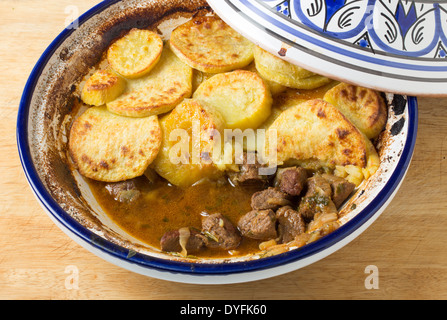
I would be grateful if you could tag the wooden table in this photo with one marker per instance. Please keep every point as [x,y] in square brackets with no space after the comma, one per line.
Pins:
[406,244]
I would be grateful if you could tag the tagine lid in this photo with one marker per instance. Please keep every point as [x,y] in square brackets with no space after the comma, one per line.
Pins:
[390,45]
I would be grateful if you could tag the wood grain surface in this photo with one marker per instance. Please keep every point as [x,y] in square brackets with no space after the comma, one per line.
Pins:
[406,244]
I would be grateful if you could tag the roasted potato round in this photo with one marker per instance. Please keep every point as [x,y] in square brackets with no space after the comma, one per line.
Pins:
[135,54]
[189,151]
[364,107]
[275,87]
[110,148]
[315,131]
[242,97]
[285,73]
[102,87]
[208,44]
[158,92]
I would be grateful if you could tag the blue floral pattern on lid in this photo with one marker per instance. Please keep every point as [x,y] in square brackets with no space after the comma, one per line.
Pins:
[401,27]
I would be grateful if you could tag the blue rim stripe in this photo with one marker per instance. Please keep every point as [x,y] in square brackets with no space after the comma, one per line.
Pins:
[180,267]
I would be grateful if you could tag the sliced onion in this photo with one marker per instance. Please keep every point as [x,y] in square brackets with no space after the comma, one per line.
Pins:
[184,235]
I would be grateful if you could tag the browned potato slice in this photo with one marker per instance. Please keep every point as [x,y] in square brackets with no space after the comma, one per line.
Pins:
[110,148]
[317,132]
[364,107]
[242,98]
[285,73]
[208,44]
[199,77]
[158,92]
[188,150]
[275,87]
[135,54]
[102,87]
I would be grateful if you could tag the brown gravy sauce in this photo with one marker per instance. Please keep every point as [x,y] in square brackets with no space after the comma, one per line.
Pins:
[163,207]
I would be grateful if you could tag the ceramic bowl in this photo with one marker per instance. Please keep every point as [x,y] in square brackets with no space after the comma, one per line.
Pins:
[43,121]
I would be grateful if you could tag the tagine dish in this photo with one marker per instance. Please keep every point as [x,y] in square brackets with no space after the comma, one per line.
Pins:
[203,145]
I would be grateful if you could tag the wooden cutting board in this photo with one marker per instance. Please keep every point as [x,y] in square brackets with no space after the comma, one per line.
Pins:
[405,246]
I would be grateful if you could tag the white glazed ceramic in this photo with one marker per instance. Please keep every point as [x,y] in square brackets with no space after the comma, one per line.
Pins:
[43,122]
[390,45]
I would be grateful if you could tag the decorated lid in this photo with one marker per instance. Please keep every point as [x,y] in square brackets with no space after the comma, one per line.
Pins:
[397,46]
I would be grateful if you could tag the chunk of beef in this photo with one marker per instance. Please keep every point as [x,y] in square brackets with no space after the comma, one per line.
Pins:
[249,172]
[259,225]
[124,192]
[291,180]
[341,188]
[317,199]
[220,232]
[317,184]
[290,224]
[271,198]
[171,242]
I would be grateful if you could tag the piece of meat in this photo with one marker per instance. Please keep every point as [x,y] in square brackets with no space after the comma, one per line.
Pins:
[248,173]
[317,199]
[220,232]
[291,180]
[318,184]
[259,225]
[290,224]
[271,198]
[341,188]
[170,242]
[124,192]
